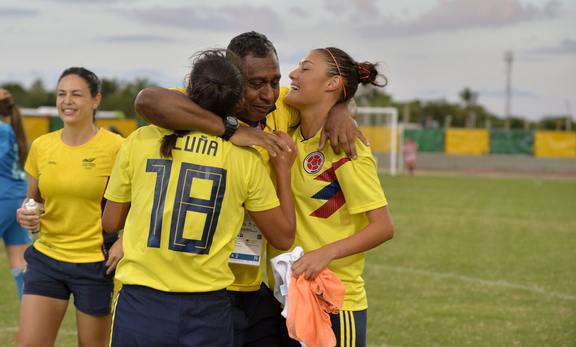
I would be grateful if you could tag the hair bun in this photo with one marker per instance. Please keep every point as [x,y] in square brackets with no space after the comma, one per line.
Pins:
[215,81]
[363,73]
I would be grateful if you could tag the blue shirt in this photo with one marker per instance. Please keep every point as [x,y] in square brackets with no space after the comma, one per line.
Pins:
[13,182]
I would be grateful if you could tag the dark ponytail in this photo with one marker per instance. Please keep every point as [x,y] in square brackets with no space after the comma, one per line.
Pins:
[352,72]
[8,109]
[368,74]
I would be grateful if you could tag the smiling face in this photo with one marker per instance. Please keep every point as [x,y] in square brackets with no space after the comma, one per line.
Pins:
[74,101]
[310,81]
[262,88]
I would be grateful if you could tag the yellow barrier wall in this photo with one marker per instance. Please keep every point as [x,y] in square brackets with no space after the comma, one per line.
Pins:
[125,126]
[467,141]
[379,138]
[555,144]
[36,127]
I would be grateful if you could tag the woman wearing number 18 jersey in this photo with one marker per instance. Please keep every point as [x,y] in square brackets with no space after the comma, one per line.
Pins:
[181,204]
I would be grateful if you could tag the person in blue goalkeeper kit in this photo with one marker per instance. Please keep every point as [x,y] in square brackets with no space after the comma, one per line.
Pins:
[13,153]
[255,310]
[180,197]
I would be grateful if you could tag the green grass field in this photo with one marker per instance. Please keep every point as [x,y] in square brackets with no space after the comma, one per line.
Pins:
[474,262]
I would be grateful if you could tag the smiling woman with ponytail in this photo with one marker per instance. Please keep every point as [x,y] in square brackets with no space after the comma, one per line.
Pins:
[341,209]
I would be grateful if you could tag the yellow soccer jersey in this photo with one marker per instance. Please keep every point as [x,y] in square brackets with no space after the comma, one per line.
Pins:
[185,212]
[72,181]
[332,195]
[248,277]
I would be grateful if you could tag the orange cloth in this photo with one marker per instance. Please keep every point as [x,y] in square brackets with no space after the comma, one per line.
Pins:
[309,301]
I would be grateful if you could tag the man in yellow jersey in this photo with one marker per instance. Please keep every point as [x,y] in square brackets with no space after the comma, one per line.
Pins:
[255,311]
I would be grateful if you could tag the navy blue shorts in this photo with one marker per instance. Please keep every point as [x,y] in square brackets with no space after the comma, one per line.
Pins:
[148,317]
[88,282]
[256,317]
[350,328]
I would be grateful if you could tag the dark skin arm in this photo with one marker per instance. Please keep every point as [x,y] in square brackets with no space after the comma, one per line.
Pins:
[279,225]
[341,129]
[115,254]
[114,216]
[153,104]
[113,220]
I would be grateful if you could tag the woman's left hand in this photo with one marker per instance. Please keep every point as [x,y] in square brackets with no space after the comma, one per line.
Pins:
[285,161]
[114,255]
[252,137]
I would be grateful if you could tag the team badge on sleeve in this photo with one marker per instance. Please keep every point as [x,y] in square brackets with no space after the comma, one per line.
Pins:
[314,162]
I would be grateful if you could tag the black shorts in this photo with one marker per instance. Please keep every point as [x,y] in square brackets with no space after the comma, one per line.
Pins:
[88,282]
[256,317]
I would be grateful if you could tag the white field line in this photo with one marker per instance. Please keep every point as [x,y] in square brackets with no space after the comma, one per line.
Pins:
[476,280]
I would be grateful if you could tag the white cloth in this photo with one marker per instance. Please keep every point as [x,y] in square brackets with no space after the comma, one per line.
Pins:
[282,270]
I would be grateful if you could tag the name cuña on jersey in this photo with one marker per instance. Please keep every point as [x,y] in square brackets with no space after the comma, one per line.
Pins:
[199,144]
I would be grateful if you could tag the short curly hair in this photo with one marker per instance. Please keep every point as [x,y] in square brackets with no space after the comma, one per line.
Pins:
[252,42]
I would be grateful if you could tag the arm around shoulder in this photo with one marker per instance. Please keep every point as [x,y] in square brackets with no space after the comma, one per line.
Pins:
[341,129]
[172,109]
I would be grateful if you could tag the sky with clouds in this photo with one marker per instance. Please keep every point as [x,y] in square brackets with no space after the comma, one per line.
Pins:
[429,49]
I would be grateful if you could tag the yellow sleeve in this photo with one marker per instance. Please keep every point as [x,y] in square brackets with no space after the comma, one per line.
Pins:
[31,166]
[290,112]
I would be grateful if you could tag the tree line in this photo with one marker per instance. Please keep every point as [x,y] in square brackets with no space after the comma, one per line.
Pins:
[437,113]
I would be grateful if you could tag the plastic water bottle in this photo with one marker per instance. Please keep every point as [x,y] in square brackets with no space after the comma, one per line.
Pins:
[35,233]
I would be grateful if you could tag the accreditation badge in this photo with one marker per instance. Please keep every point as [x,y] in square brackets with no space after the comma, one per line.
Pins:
[248,244]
